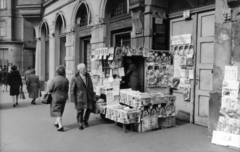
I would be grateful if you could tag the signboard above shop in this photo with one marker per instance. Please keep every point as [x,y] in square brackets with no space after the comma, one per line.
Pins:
[181,39]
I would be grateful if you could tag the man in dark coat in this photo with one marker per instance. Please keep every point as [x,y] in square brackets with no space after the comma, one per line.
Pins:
[132,76]
[81,92]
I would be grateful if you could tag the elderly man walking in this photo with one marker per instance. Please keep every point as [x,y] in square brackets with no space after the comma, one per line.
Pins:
[81,92]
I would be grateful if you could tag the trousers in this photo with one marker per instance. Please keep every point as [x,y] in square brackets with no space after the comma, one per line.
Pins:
[83,115]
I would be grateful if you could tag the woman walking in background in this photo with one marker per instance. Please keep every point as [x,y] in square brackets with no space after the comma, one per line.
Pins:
[4,78]
[15,82]
[58,88]
[33,86]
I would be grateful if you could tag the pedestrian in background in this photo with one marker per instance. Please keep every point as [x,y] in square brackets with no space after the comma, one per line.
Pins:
[81,91]
[5,78]
[33,86]
[15,82]
[1,72]
[26,74]
[58,88]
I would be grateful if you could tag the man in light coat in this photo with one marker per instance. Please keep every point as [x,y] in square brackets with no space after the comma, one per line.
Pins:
[81,92]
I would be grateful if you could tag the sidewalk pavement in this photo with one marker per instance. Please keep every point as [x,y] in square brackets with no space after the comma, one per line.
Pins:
[29,128]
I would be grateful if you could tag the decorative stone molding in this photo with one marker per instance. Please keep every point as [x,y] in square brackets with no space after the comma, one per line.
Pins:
[137,17]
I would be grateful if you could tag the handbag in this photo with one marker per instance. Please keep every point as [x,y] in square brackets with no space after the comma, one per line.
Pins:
[47,98]
[21,94]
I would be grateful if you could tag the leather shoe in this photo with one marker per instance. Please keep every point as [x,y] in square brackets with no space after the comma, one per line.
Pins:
[56,125]
[13,105]
[81,128]
[86,124]
[60,129]
[16,104]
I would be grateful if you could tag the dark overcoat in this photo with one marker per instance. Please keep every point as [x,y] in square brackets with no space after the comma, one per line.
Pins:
[82,94]
[58,88]
[15,81]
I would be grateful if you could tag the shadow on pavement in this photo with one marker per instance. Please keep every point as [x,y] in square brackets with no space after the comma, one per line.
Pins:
[95,122]
[6,106]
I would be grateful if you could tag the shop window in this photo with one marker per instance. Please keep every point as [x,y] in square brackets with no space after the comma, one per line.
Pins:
[3,4]
[120,8]
[3,29]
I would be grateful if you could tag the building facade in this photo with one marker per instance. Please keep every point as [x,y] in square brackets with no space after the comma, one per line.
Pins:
[67,31]
[17,40]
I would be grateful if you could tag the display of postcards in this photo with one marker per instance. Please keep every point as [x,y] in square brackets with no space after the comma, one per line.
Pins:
[182,83]
[183,62]
[221,123]
[145,101]
[151,57]
[162,110]
[146,124]
[228,105]
[231,73]
[154,122]
[230,84]
[134,51]
[111,53]
[118,53]
[230,92]
[187,92]
[180,50]
[175,50]
[185,50]
[190,60]
[128,50]
[236,110]
[145,52]
[92,57]
[191,49]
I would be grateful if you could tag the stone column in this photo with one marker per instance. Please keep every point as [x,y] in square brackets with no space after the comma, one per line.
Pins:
[52,51]
[70,52]
[227,50]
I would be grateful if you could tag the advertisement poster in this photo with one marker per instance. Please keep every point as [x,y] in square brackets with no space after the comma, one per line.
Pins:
[157,75]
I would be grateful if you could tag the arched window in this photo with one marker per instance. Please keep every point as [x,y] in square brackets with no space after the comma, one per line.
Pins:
[82,16]
[119,8]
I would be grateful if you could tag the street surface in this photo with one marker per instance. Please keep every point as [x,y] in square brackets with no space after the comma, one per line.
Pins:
[29,128]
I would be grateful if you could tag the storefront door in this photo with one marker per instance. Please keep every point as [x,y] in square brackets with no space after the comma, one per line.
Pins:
[201,28]
[204,66]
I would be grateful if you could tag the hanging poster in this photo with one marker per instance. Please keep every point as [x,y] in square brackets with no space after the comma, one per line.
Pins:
[111,53]
[231,73]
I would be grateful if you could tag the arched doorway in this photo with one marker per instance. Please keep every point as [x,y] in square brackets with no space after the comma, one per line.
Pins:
[60,40]
[45,50]
[83,34]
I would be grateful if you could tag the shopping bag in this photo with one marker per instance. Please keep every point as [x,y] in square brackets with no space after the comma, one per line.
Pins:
[21,94]
[47,98]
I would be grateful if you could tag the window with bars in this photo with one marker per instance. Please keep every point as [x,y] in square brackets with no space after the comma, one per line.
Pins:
[120,8]
[3,4]
[3,29]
